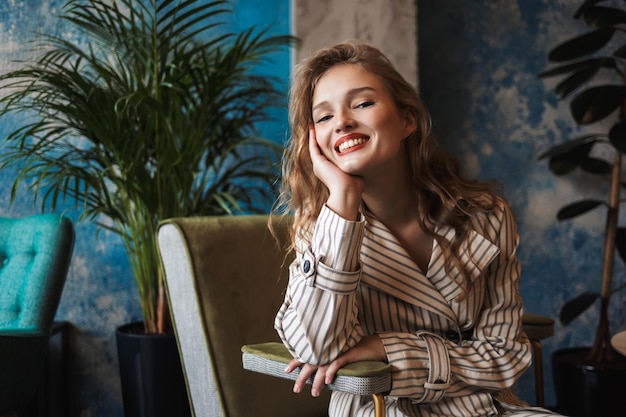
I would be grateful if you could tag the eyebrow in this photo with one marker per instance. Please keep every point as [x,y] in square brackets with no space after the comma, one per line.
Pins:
[350,94]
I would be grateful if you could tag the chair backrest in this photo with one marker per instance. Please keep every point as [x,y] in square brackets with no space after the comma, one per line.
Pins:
[225,280]
[35,253]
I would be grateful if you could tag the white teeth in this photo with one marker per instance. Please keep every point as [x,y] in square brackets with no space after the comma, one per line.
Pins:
[350,143]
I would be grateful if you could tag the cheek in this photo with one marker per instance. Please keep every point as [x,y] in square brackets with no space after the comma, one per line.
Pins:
[393,124]
[323,134]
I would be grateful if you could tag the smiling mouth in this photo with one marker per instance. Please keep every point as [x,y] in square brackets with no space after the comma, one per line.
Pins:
[350,143]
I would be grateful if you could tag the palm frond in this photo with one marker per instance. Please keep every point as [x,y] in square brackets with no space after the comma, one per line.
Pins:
[151,114]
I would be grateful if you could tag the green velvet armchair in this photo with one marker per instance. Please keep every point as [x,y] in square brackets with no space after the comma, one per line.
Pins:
[35,253]
[225,279]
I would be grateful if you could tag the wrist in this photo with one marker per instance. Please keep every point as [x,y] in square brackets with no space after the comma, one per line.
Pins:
[345,205]
[376,346]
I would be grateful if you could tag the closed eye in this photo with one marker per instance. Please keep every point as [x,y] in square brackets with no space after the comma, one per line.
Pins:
[323,118]
[364,104]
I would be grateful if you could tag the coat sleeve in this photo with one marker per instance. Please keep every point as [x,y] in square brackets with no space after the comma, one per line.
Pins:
[428,367]
[318,318]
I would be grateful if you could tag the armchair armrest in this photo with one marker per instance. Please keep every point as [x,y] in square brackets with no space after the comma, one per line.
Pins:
[360,378]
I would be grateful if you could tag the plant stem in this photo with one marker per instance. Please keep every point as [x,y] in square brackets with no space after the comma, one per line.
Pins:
[600,351]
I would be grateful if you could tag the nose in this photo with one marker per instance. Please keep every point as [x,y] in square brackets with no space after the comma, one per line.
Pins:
[344,122]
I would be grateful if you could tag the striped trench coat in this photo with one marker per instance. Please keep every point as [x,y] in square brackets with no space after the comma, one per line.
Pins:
[450,355]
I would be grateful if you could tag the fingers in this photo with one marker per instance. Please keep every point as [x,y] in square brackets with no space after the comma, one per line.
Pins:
[305,373]
[369,348]
[293,364]
[331,370]
[314,149]
[312,141]
[318,381]
[312,137]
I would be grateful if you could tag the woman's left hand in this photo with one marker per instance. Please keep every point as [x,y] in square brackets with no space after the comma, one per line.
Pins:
[370,348]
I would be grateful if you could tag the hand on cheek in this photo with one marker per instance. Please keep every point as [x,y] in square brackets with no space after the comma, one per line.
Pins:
[345,190]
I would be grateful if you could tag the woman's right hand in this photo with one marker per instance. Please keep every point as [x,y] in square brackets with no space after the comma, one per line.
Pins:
[345,190]
[369,348]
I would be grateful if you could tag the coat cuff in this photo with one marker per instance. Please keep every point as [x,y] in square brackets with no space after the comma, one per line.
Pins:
[321,276]
[438,380]
[336,242]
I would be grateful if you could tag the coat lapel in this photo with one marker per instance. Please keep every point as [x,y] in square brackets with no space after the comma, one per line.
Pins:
[388,268]
[477,254]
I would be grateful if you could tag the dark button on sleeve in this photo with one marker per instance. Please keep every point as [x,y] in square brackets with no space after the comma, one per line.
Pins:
[307,264]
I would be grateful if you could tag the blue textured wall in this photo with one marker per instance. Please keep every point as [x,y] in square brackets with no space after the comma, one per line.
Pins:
[478,66]
[479,62]
[100,294]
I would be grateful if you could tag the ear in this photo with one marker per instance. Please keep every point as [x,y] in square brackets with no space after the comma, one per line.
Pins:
[410,123]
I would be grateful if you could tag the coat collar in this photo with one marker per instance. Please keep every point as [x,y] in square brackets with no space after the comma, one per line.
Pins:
[388,268]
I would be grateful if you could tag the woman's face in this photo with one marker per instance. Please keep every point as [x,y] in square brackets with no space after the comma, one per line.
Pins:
[357,123]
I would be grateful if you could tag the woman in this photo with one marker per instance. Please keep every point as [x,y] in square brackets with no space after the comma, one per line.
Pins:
[399,258]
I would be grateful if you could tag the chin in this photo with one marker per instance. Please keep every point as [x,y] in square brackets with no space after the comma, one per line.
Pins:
[351,170]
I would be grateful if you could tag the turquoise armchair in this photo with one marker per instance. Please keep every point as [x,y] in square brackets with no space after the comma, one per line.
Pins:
[35,253]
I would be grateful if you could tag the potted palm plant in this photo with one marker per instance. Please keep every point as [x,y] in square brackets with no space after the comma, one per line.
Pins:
[150,115]
[591,380]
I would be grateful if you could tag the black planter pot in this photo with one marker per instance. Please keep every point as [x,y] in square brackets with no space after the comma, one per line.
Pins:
[583,389]
[153,383]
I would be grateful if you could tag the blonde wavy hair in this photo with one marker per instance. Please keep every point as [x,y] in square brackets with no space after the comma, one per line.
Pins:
[444,196]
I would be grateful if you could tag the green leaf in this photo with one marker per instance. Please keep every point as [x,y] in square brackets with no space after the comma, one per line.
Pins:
[598,16]
[578,208]
[607,62]
[617,136]
[579,73]
[576,307]
[568,156]
[596,166]
[575,80]
[596,103]
[580,144]
[586,4]
[564,164]
[582,45]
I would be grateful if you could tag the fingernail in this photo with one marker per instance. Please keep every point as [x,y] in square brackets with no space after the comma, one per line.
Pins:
[296,389]
[315,393]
